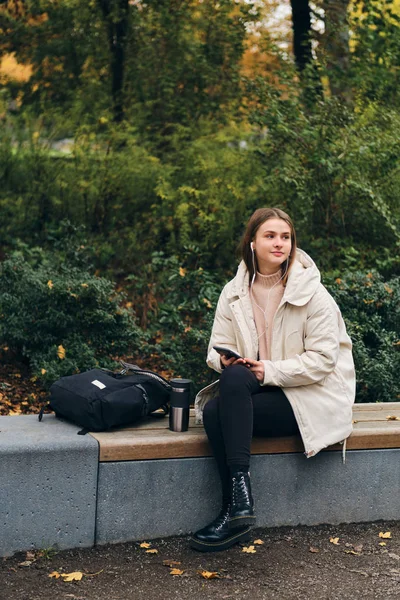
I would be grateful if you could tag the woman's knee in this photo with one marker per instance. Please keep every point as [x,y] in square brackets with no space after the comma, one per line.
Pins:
[210,412]
[236,377]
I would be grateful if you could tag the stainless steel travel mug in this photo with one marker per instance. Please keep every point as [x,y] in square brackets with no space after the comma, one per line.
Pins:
[179,404]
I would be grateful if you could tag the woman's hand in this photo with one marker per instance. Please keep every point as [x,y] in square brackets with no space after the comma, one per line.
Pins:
[227,362]
[256,367]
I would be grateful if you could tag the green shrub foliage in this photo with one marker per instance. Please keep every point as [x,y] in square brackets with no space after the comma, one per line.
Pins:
[175,298]
[371,309]
[60,318]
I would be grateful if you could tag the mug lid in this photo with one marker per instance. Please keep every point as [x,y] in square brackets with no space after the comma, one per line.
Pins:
[178,382]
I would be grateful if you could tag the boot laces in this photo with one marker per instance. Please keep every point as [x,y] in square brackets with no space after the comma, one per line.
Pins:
[240,490]
[223,517]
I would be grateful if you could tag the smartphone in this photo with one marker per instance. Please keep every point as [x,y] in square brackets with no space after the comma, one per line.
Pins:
[227,352]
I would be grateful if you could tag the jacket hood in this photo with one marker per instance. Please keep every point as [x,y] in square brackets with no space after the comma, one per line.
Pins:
[303,281]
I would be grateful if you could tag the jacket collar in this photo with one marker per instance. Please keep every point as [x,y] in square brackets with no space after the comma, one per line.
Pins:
[303,281]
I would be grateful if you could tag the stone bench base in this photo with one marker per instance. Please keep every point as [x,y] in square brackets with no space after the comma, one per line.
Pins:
[48,485]
[157,498]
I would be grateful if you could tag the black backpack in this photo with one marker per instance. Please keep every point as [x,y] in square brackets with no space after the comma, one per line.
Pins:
[99,399]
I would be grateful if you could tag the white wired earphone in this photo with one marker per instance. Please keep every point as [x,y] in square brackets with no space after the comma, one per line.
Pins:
[264,312]
[259,307]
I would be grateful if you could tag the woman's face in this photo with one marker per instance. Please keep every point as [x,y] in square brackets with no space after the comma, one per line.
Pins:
[272,244]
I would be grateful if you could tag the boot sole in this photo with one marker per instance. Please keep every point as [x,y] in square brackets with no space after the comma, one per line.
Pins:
[242,521]
[242,536]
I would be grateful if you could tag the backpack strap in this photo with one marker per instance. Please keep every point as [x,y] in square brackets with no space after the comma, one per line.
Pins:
[139,371]
[40,415]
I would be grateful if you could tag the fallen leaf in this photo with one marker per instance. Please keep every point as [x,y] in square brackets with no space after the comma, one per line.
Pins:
[334,541]
[50,284]
[207,302]
[26,563]
[209,574]
[152,551]
[43,371]
[259,542]
[313,549]
[392,418]
[55,574]
[84,285]
[61,352]
[249,549]
[382,544]
[176,572]
[170,563]
[352,552]
[182,271]
[30,556]
[386,536]
[75,576]
[145,545]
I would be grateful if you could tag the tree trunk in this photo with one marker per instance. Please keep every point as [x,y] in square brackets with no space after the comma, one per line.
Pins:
[301,23]
[116,16]
[335,46]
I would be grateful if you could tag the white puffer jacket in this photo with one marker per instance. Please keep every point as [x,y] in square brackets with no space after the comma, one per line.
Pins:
[311,357]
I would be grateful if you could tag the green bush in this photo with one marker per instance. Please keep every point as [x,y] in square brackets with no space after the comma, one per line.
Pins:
[60,318]
[371,309]
[175,299]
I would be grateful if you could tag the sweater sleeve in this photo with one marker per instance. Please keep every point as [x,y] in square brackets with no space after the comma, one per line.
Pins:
[321,349]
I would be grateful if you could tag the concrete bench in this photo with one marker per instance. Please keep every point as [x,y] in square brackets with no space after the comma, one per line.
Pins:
[154,482]
[58,489]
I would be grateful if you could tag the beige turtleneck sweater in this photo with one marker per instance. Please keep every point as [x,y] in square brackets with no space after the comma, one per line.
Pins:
[266,294]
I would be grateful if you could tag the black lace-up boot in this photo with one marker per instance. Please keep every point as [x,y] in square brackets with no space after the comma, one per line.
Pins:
[242,505]
[219,534]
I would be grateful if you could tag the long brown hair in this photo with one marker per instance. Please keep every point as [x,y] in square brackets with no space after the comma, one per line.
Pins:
[256,220]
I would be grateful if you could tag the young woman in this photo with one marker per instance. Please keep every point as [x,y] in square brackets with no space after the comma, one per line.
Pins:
[296,371]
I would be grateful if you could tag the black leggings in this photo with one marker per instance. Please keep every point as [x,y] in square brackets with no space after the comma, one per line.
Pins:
[243,409]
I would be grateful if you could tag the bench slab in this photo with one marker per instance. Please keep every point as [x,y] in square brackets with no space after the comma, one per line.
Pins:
[152,439]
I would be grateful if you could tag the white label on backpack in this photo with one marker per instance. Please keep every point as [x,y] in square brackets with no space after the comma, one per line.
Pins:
[99,384]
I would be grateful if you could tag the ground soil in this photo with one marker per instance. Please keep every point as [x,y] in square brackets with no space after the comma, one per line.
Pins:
[292,564]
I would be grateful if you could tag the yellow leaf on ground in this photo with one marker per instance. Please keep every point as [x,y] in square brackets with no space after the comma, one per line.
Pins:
[152,551]
[249,549]
[50,284]
[84,285]
[55,574]
[386,536]
[61,352]
[382,544]
[75,576]
[43,371]
[352,552]
[313,549]
[392,418]
[170,563]
[145,545]
[259,542]
[334,541]
[209,574]
[176,572]
[182,271]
